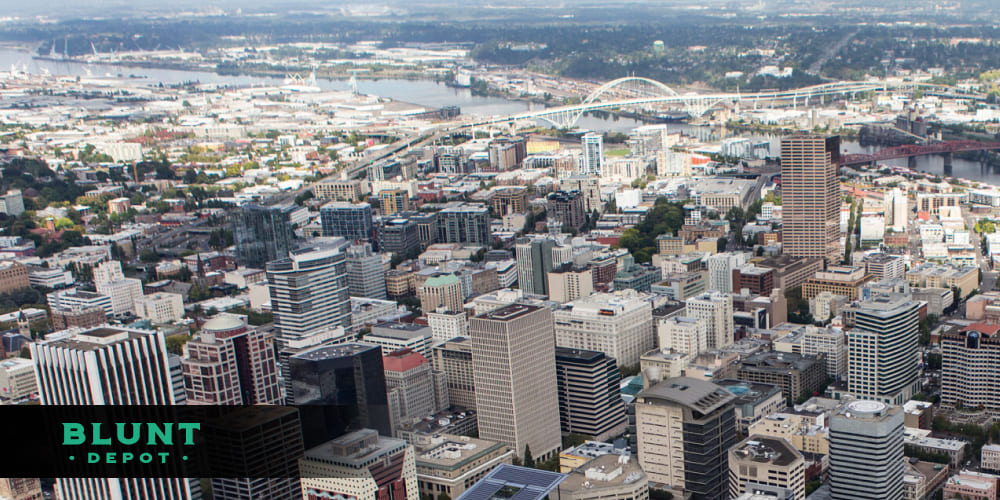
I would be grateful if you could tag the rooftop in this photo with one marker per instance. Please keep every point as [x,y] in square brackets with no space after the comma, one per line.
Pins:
[764,449]
[696,394]
[606,470]
[447,451]
[509,312]
[510,482]
[334,351]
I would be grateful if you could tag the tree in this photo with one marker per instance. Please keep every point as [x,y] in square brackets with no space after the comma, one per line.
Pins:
[722,244]
[148,255]
[528,461]
[443,496]
[25,353]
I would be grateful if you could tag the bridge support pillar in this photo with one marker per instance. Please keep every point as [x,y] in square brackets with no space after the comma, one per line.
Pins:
[948,159]
[911,162]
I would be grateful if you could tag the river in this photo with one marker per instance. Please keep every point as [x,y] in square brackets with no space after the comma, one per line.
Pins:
[435,95]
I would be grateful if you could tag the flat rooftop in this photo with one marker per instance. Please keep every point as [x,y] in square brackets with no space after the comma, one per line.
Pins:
[604,471]
[335,351]
[510,482]
[769,450]
[509,312]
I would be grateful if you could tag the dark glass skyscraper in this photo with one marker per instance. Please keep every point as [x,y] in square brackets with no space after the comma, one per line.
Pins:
[262,234]
[347,220]
[339,388]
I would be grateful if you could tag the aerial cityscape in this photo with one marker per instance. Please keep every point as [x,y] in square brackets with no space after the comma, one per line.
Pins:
[716,250]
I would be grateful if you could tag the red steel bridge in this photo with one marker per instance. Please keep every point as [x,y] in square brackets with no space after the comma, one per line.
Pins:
[945,148]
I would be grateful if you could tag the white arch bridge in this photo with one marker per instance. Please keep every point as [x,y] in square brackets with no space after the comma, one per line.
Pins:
[645,94]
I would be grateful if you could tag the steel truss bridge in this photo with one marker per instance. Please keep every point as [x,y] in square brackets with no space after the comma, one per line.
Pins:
[636,93]
[945,148]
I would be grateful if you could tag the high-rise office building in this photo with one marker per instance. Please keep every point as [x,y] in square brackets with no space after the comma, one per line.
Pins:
[230,363]
[720,270]
[970,367]
[866,452]
[513,350]
[619,324]
[568,283]
[534,261]
[566,208]
[685,428]
[309,298]
[345,387]
[767,461]
[347,220]
[882,348]
[71,370]
[273,436]
[454,359]
[365,274]
[394,201]
[398,235]
[361,465]
[593,154]
[716,310]
[443,291]
[897,210]
[590,400]
[683,334]
[262,234]
[123,292]
[410,387]
[810,194]
[465,223]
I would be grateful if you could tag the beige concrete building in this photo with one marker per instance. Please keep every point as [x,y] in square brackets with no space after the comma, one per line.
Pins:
[845,281]
[767,461]
[569,284]
[930,275]
[17,379]
[661,364]
[608,477]
[990,457]
[683,334]
[620,324]
[810,194]
[969,485]
[513,352]
[13,276]
[442,291]
[686,420]
[716,310]
[160,307]
[807,432]
[450,464]
[454,359]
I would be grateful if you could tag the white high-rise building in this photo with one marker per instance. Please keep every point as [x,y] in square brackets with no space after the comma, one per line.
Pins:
[683,334]
[513,351]
[447,325]
[160,307]
[720,270]
[896,210]
[109,280]
[866,452]
[882,348]
[593,154]
[72,368]
[619,324]
[309,290]
[716,310]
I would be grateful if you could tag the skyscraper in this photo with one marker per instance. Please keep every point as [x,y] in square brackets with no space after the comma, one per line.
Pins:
[716,310]
[590,401]
[262,234]
[534,261]
[70,368]
[230,363]
[593,154]
[685,427]
[811,196]
[365,276]
[465,223]
[897,210]
[513,350]
[619,324]
[720,270]
[309,297]
[566,208]
[882,348]
[394,201]
[410,386]
[347,220]
[443,291]
[866,452]
[344,388]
